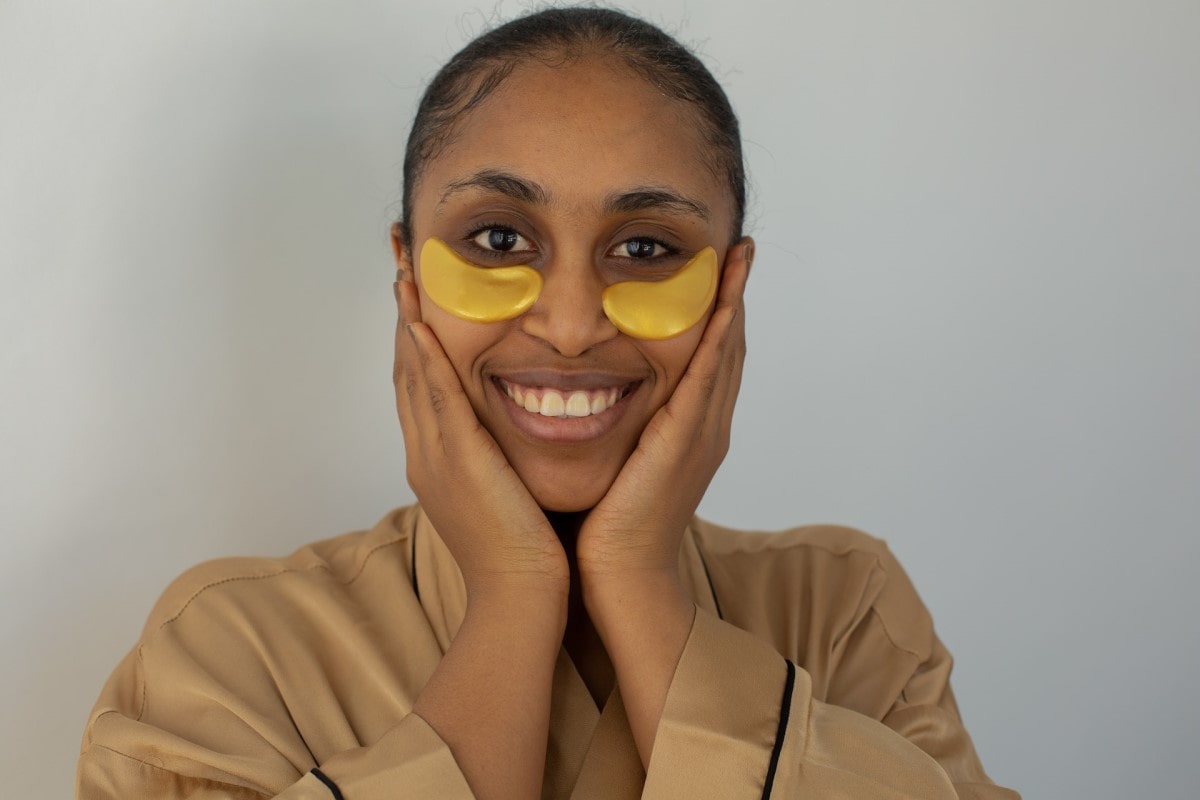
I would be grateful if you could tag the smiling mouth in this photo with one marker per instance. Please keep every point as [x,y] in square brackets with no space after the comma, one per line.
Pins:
[564,403]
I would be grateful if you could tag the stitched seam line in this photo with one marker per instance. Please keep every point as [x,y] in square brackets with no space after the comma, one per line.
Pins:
[878,565]
[277,573]
[287,571]
[143,763]
[875,612]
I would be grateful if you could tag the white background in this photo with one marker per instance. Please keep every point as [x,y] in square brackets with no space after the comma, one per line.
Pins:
[974,324]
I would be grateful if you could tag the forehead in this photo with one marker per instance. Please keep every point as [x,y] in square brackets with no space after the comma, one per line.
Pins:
[584,130]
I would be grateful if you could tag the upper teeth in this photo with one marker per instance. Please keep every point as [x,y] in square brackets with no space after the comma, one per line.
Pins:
[553,403]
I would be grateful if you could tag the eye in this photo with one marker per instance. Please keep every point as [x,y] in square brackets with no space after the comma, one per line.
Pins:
[500,240]
[640,247]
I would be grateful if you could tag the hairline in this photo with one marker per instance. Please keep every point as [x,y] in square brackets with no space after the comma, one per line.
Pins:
[491,77]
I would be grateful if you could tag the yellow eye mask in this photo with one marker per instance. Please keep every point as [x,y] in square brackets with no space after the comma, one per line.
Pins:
[643,309]
[666,308]
[478,294]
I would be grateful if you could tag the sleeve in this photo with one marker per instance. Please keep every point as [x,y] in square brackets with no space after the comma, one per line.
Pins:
[220,757]
[741,720]
[255,680]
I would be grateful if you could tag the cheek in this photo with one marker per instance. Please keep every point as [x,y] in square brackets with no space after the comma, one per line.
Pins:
[463,341]
[670,357]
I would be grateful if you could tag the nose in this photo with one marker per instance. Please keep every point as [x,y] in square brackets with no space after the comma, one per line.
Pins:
[568,314]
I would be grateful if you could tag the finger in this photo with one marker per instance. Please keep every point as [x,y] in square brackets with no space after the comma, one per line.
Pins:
[408,301]
[444,405]
[414,449]
[422,433]
[734,274]
[715,369]
[734,289]
[404,377]
[440,408]
[707,393]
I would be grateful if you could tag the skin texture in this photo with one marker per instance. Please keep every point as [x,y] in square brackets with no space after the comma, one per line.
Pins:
[566,531]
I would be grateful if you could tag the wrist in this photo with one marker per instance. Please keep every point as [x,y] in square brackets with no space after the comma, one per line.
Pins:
[645,598]
[540,601]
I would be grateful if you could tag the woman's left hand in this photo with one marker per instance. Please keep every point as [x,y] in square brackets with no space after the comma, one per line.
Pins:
[628,547]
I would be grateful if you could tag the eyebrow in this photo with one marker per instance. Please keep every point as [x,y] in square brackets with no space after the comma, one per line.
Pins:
[641,198]
[655,198]
[498,182]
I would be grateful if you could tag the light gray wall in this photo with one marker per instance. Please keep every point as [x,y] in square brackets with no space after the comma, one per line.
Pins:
[973,323]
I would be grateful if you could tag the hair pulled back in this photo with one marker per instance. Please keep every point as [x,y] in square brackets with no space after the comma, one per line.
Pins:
[556,36]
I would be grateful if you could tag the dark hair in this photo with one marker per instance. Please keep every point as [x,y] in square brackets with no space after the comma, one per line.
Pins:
[557,35]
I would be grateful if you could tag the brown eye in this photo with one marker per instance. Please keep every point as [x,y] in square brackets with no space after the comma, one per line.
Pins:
[640,247]
[500,240]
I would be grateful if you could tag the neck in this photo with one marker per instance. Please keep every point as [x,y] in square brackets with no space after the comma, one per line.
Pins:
[567,524]
[580,639]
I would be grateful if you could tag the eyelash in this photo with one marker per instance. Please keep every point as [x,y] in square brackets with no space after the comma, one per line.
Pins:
[490,226]
[669,249]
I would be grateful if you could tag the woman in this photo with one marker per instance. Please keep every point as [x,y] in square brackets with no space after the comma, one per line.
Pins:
[552,619]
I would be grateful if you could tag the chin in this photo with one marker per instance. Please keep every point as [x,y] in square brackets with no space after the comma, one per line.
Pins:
[568,488]
[565,498]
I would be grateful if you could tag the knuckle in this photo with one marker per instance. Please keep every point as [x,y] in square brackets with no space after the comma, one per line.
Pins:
[438,399]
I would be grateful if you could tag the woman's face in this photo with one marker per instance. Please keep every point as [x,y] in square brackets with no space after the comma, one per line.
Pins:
[592,176]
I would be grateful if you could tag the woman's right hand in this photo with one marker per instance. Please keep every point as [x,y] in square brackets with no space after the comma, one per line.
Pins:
[477,503]
[489,698]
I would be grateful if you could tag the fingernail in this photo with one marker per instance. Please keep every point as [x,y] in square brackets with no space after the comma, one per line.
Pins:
[411,335]
[748,253]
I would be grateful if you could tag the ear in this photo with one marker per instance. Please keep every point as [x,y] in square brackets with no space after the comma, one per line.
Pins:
[401,253]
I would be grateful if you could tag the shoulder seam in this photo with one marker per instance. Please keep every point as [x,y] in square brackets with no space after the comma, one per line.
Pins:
[233,579]
[703,527]
[143,762]
[284,571]
[878,564]
[892,639]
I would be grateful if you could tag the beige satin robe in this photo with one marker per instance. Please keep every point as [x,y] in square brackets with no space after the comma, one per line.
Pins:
[812,670]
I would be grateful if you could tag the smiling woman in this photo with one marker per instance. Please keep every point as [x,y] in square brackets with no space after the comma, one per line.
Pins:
[552,620]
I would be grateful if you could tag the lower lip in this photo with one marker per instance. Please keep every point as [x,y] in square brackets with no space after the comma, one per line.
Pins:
[564,430]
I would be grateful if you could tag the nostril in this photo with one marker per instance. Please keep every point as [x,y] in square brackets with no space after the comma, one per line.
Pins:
[572,321]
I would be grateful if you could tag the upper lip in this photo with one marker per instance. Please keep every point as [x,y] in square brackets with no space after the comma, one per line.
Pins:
[555,379]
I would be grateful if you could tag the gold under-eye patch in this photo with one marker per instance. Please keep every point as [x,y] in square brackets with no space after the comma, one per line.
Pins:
[666,308]
[478,294]
[643,309]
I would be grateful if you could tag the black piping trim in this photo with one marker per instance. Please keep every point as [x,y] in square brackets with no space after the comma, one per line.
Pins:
[711,588]
[416,589]
[330,785]
[784,711]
